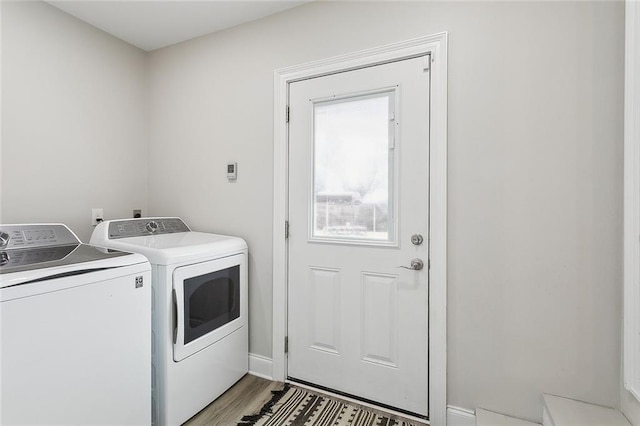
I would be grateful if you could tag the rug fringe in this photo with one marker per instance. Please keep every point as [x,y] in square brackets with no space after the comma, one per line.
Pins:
[250,420]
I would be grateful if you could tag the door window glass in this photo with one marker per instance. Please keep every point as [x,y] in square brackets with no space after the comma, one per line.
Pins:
[211,301]
[353,160]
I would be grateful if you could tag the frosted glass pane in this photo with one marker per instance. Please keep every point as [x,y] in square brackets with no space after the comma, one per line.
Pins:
[352,162]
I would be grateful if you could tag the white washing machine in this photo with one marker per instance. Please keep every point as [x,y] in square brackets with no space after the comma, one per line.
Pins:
[200,336]
[74,333]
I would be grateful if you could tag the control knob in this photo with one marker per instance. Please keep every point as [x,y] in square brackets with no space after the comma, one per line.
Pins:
[152,226]
[4,239]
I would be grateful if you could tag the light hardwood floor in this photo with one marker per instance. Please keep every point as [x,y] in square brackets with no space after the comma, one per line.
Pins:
[245,397]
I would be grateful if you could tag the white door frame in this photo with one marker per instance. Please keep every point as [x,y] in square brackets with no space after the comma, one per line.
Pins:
[436,46]
[631,327]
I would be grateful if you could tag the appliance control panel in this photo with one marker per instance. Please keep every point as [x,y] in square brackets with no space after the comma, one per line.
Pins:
[146,226]
[17,258]
[36,235]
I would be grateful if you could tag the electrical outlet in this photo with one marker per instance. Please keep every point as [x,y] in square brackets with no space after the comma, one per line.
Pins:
[137,213]
[97,216]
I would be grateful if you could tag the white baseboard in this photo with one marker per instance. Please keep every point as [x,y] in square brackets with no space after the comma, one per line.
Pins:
[261,366]
[457,416]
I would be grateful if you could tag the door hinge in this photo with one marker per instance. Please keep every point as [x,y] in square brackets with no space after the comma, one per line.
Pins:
[427,63]
[287,114]
[286,229]
[286,344]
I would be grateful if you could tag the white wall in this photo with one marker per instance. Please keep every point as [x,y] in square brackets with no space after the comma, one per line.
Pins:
[74,120]
[535,175]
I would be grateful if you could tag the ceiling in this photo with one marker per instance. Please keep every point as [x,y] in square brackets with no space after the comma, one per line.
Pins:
[152,24]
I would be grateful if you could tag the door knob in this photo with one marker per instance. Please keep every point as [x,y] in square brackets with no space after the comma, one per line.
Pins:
[416,265]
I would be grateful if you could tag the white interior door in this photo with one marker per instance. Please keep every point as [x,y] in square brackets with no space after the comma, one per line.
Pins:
[359,214]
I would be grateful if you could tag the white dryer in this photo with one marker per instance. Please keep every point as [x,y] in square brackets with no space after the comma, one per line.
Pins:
[200,335]
[74,330]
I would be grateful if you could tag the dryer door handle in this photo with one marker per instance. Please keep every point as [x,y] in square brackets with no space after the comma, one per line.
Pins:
[175,316]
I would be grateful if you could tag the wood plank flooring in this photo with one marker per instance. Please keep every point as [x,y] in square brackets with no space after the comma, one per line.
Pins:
[245,397]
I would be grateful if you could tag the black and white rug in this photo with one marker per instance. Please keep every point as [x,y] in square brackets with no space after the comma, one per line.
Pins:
[294,406]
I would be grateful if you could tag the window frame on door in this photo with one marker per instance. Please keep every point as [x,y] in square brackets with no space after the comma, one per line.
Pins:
[434,50]
[393,97]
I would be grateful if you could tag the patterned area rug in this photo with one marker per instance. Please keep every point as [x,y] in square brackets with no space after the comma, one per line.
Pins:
[293,406]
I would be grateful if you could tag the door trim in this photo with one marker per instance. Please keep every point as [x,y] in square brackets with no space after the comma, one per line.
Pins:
[436,46]
[631,325]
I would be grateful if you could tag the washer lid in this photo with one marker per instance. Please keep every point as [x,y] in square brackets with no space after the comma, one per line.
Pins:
[35,252]
[30,259]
